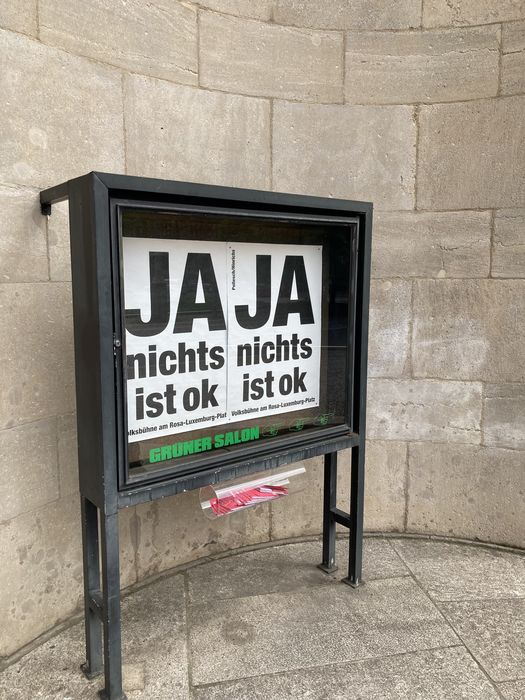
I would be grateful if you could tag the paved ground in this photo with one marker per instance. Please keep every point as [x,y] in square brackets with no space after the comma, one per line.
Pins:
[434,621]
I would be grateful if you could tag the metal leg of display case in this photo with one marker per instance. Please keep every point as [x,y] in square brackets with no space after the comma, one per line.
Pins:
[353,520]
[328,564]
[355,553]
[111,607]
[93,628]
[102,604]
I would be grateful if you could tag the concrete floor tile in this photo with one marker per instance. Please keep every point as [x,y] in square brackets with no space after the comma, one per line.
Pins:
[51,672]
[441,674]
[154,634]
[384,641]
[152,613]
[265,634]
[513,690]
[494,631]
[452,571]
[154,654]
[285,568]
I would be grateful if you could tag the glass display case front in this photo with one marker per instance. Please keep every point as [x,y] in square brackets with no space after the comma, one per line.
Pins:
[237,326]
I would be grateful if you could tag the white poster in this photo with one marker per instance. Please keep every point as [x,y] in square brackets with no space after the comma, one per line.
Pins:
[219,332]
[274,328]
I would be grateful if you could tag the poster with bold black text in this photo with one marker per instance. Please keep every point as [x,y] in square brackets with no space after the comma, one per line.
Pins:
[274,328]
[217,332]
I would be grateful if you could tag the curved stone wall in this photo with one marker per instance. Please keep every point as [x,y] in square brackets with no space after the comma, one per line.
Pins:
[415,105]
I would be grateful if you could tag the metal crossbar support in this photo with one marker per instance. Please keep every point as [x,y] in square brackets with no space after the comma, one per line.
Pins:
[341,518]
[102,604]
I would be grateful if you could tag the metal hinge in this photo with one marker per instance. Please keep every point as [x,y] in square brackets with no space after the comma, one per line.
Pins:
[117,343]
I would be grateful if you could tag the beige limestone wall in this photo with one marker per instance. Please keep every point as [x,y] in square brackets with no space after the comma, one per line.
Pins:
[417,106]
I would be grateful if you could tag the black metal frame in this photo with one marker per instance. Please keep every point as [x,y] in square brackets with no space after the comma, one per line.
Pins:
[101,420]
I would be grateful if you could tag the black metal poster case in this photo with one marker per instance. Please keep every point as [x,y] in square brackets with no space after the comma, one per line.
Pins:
[218,331]
[236,329]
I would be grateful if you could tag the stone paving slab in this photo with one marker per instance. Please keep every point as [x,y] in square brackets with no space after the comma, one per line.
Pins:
[154,636]
[52,672]
[450,571]
[441,674]
[494,631]
[513,690]
[287,568]
[154,654]
[253,634]
[283,631]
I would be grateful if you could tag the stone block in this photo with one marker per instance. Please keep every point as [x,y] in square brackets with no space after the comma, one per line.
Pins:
[451,571]
[389,337]
[439,13]
[437,244]
[179,132]
[19,16]
[513,58]
[41,579]
[348,14]
[469,330]
[23,251]
[504,416]
[67,454]
[129,534]
[424,409]
[385,485]
[508,251]
[302,513]
[41,573]
[51,130]
[36,353]
[58,242]
[429,66]
[467,491]
[174,530]
[493,631]
[384,493]
[28,469]
[363,153]
[256,9]
[255,58]
[472,154]
[155,38]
